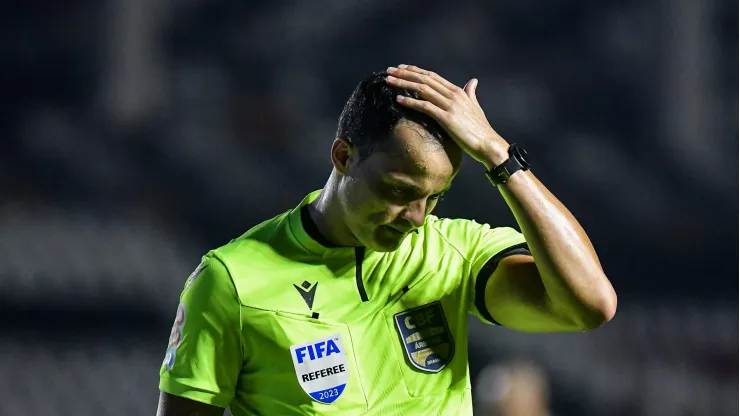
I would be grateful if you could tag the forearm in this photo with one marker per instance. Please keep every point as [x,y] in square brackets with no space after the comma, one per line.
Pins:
[575,283]
[571,275]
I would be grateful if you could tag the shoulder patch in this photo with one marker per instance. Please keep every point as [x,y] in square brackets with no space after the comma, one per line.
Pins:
[175,337]
[426,337]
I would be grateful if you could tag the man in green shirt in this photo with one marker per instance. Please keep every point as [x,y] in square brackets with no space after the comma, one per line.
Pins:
[356,301]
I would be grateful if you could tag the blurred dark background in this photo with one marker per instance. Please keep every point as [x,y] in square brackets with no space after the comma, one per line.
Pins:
[139,134]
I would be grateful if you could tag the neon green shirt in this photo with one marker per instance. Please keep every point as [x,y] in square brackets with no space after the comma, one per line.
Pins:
[274,323]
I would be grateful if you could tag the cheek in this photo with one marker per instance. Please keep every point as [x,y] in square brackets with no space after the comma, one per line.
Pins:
[353,193]
[385,212]
[360,203]
[375,210]
[381,216]
[365,206]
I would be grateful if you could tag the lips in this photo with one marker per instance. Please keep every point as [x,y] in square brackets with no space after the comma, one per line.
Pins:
[396,231]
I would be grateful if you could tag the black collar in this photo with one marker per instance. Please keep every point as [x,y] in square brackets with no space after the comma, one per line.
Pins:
[312,230]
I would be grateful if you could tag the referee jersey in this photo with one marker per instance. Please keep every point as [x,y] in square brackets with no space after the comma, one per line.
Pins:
[277,323]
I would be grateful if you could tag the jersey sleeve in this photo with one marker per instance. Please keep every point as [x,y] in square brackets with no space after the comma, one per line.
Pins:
[204,355]
[483,247]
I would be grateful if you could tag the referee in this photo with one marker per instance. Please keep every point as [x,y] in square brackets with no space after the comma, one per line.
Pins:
[355,302]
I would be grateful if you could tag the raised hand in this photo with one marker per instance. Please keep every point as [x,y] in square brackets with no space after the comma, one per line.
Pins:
[456,109]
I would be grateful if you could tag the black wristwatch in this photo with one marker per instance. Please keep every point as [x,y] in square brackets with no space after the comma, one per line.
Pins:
[517,161]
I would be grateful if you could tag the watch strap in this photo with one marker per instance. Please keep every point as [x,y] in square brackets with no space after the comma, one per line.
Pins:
[500,174]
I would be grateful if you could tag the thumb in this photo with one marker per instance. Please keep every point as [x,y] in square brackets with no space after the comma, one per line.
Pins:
[470,89]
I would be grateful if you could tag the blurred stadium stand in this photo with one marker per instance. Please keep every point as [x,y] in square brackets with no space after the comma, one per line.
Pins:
[138,134]
[664,359]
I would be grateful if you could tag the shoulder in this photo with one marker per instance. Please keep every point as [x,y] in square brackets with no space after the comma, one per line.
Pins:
[452,226]
[210,280]
[456,228]
[266,250]
[467,237]
[438,238]
[455,233]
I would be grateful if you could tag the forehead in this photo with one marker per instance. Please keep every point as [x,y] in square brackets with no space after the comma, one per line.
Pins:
[412,154]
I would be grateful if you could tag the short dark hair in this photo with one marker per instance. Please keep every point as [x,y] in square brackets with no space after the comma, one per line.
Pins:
[372,112]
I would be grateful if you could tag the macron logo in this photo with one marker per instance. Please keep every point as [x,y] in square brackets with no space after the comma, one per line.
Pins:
[308,292]
[316,351]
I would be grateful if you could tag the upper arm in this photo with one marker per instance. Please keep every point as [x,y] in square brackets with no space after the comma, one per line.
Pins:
[483,248]
[516,296]
[170,405]
[204,356]
[505,285]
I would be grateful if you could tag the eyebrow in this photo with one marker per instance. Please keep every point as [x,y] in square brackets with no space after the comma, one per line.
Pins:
[416,188]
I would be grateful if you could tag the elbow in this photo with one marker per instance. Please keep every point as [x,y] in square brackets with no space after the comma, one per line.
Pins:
[601,311]
[601,316]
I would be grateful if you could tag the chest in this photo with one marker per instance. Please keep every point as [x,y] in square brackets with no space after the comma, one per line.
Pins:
[352,290]
[406,338]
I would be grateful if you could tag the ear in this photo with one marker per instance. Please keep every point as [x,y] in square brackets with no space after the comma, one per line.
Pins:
[342,155]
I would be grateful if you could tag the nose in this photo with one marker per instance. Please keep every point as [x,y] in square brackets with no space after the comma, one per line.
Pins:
[416,212]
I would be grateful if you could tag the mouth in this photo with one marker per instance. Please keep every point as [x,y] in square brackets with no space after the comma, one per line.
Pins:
[394,231]
[397,232]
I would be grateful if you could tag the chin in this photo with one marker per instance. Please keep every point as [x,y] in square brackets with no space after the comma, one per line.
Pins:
[385,245]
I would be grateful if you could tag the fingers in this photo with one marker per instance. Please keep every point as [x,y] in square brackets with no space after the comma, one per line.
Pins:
[425,91]
[438,95]
[470,89]
[421,78]
[432,75]
[423,106]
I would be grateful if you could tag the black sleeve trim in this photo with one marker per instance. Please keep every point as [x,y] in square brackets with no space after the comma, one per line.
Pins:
[486,272]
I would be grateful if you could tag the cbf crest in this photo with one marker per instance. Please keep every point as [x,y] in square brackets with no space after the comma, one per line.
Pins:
[426,337]
[321,367]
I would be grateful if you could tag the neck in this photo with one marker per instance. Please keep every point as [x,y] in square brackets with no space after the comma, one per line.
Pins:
[327,214]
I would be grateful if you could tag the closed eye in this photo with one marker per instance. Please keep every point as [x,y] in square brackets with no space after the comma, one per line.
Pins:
[398,191]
